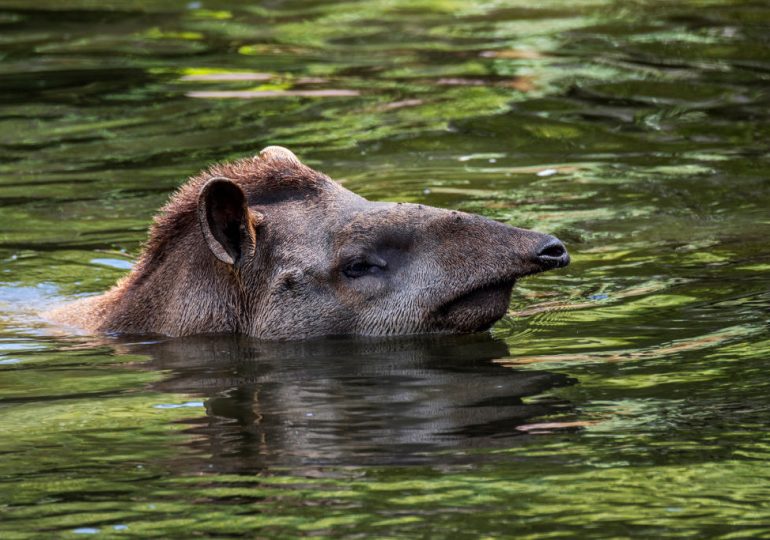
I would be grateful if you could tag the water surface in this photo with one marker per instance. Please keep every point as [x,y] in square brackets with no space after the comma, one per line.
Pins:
[626,395]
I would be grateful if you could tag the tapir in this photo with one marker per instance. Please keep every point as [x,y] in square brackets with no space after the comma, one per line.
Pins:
[270,248]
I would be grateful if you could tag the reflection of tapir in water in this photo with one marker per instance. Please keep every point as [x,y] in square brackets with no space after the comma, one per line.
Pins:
[350,400]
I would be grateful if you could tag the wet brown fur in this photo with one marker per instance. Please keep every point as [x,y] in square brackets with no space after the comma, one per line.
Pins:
[265,175]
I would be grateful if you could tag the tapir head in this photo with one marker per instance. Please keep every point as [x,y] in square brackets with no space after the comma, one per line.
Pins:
[271,248]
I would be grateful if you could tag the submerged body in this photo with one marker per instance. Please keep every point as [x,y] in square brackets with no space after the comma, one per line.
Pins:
[270,248]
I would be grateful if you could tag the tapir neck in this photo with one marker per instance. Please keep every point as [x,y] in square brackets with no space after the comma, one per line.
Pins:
[177,295]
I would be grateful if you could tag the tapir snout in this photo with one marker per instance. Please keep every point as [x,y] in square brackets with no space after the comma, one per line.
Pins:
[551,253]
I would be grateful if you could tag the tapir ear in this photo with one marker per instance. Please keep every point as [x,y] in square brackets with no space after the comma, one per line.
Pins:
[228,225]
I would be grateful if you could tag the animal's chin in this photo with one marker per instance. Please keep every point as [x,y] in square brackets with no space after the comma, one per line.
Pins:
[477,309]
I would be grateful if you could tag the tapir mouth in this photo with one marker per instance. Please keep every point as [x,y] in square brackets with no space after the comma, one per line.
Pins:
[478,308]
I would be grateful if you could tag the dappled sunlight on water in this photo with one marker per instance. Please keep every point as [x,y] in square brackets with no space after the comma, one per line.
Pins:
[626,395]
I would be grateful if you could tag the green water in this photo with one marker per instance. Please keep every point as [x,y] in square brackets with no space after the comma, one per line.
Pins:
[626,395]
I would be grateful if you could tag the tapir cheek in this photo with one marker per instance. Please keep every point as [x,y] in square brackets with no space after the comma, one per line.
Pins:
[363,292]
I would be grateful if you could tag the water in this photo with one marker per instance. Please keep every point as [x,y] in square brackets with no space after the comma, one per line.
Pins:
[626,395]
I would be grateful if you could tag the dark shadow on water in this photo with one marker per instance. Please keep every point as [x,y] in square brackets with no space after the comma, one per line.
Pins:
[350,401]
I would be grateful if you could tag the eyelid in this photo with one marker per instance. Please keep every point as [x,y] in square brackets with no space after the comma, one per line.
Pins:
[374,260]
[365,263]
[370,259]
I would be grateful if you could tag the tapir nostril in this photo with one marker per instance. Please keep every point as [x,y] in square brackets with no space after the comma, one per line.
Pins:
[554,250]
[552,253]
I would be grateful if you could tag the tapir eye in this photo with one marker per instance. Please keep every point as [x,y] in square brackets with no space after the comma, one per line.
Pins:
[362,267]
[357,269]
